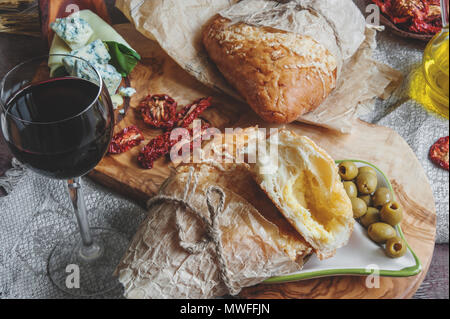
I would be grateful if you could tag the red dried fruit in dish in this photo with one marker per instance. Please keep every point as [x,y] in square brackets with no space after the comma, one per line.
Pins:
[159,111]
[126,139]
[439,153]
[418,16]
[192,111]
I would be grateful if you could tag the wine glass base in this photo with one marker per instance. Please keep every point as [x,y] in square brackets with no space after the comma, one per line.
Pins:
[73,273]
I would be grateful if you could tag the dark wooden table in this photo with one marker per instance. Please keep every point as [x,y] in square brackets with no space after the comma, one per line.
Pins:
[15,49]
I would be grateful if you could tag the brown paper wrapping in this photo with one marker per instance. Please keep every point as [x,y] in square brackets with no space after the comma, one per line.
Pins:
[157,266]
[176,26]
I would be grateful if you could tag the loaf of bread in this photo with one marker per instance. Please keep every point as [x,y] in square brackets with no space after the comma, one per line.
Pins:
[282,75]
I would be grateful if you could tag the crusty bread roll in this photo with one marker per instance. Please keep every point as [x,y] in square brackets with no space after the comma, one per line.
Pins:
[299,177]
[282,75]
[306,187]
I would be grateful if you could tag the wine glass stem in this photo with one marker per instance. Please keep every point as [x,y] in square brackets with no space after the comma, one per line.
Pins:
[89,250]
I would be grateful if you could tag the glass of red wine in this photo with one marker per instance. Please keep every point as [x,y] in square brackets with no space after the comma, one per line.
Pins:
[60,126]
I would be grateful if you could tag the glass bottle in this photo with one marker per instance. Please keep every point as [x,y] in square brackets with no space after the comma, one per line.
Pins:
[436,66]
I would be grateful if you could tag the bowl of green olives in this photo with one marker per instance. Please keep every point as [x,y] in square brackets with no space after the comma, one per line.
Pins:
[374,205]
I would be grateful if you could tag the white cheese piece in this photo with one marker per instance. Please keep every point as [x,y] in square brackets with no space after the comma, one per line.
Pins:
[117,100]
[127,92]
[73,30]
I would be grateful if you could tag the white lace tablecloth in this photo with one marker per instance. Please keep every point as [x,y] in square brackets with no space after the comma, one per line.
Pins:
[37,211]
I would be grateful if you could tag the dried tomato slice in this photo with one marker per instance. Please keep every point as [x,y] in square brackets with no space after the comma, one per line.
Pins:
[439,153]
[162,145]
[126,139]
[159,111]
[192,111]
[156,148]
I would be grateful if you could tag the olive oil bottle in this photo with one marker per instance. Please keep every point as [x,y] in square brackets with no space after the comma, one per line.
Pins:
[436,67]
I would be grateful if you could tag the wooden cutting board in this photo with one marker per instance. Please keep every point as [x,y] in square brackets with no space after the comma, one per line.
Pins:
[381,146]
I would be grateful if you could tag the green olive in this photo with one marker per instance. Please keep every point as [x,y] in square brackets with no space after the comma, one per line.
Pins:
[351,189]
[372,216]
[395,247]
[367,199]
[381,197]
[381,232]
[359,207]
[348,171]
[367,169]
[392,213]
[367,183]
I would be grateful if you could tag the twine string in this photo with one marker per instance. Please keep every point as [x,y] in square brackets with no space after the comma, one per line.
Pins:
[213,234]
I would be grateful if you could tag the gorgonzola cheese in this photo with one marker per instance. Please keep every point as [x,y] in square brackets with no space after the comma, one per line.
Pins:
[73,30]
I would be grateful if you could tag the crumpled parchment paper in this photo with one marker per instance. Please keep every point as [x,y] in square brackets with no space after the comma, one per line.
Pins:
[337,24]
[158,265]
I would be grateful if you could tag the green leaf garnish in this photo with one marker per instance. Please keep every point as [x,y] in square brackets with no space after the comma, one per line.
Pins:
[122,57]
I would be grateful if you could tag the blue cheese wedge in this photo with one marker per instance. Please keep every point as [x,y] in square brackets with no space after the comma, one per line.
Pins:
[73,30]
[95,53]
[127,92]
[81,69]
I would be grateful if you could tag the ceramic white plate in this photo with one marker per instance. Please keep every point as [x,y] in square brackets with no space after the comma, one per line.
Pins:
[361,256]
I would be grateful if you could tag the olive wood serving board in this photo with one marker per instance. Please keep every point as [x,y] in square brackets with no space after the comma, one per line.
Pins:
[157,73]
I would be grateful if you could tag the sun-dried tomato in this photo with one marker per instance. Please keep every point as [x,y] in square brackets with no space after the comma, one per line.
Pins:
[162,145]
[418,16]
[192,111]
[126,139]
[159,111]
[156,148]
[439,153]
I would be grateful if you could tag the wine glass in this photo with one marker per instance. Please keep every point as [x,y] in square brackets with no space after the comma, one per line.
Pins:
[60,126]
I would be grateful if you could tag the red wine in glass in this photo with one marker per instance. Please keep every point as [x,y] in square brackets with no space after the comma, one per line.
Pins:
[65,139]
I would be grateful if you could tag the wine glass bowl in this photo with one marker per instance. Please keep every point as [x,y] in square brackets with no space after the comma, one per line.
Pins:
[59,127]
